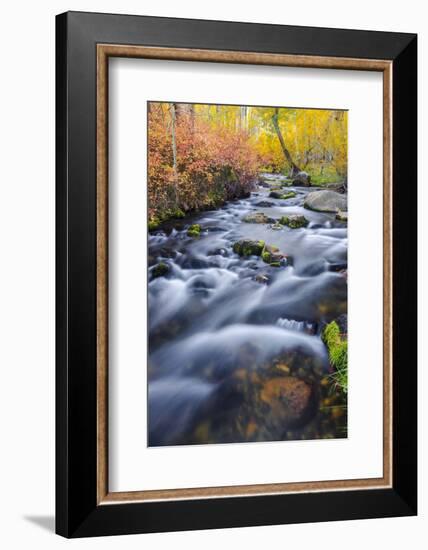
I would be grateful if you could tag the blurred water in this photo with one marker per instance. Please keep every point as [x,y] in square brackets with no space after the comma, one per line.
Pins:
[218,336]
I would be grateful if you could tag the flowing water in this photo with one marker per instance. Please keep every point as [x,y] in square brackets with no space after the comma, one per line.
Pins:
[235,353]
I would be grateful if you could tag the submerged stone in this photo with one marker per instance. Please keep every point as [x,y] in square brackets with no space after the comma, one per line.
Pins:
[257,217]
[265,204]
[289,398]
[276,226]
[262,278]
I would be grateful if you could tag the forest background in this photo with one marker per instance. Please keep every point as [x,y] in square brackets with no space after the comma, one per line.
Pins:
[201,155]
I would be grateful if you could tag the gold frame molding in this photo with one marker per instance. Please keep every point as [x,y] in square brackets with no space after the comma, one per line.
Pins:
[104,52]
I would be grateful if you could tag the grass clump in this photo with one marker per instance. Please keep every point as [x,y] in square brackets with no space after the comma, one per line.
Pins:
[338,354]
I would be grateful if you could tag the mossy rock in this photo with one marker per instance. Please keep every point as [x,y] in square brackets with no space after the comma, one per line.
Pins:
[279,194]
[342,216]
[288,195]
[247,247]
[178,213]
[294,221]
[272,256]
[194,231]
[160,270]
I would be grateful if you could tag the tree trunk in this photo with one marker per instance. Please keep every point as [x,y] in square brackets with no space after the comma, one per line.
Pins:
[183,109]
[243,118]
[294,168]
[174,151]
[173,139]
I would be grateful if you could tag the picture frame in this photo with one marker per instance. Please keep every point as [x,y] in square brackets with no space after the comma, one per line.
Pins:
[84,44]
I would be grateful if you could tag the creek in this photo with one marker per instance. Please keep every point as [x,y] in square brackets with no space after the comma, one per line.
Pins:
[235,353]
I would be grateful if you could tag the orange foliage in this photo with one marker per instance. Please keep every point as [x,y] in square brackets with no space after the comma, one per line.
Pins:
[213,163]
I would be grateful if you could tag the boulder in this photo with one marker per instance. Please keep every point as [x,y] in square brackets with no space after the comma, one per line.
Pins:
[294,221]
[257,217]
[342,216]
[302,179]
[325,201]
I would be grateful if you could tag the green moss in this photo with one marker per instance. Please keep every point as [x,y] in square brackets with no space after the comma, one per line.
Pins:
[289,195]
[324,179]
[177,213]
[160,270]
[338,354]
[194,230]
[153,224]
[277,193]
[266,256]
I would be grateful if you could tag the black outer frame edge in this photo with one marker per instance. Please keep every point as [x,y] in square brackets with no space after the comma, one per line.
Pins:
[221,513]
[405,274]
[61,263]
[77,514]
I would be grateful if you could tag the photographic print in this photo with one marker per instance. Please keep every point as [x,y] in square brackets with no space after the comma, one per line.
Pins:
[247,273]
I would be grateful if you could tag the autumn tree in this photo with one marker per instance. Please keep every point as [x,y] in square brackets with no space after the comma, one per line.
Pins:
[200,155]
[294,169]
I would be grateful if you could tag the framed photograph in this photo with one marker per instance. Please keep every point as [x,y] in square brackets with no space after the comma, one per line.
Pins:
[236,274]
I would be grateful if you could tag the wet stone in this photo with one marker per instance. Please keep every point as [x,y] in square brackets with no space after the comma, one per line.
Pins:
[257,217]
[262,278]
